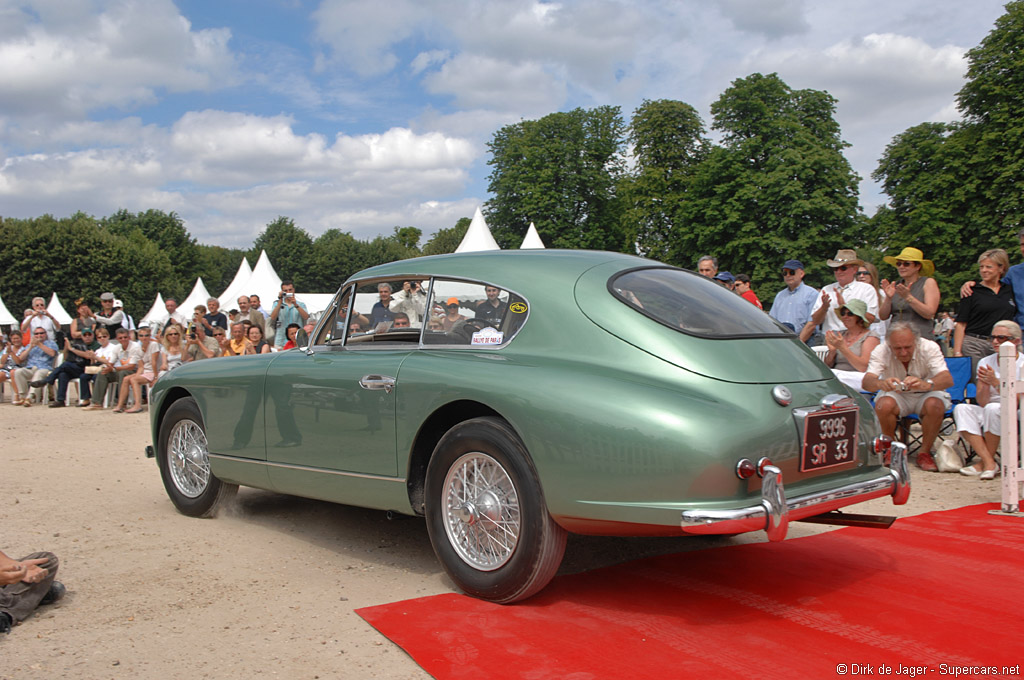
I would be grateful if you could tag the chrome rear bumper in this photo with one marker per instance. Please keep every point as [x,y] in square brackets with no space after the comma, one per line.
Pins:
[775,511]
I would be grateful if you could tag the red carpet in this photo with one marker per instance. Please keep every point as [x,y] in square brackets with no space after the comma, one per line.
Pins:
[939,588]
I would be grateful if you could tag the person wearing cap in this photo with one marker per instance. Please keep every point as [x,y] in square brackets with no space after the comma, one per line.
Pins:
[910,375]
[793,304]
[915,298]
[77,354]
[726,279]
[849,351]
[109,317]
[452,315]
[707,266]
[844,267]
[742,287]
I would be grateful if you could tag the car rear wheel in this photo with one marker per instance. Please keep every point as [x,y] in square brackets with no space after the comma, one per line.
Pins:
[486,514]
[184,462]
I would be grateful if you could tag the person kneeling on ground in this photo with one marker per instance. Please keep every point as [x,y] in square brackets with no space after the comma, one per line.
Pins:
[980,423]
[911,377]
[25,584]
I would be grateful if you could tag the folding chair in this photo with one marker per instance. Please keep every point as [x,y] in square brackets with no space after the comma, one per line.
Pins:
[961,391]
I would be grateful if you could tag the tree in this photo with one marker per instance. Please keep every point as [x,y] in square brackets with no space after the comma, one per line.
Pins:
[778,186]
[992,102]
[669,142]
[290,249]
[559,172]
[167,232]
[447,240]
[336,256]
[76,258]
[218,266]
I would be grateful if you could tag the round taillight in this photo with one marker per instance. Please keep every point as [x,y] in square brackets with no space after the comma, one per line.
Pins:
[883,443]
[745,469]
[762,464]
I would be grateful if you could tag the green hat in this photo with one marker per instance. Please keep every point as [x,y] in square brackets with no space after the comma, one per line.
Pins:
[859,308]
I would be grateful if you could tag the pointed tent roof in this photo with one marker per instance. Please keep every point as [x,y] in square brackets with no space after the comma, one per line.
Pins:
[237,287]
[264,282]
[57,310]
[198,296]
[532,239]
[478,236]
[157,313]
[6,318]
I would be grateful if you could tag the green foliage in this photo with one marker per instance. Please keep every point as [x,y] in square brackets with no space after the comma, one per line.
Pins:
[669,143]
[447,240]
[217,266]
[336,256]
[559,172]
[75,257]
[290,249]
[166,231]
[957,190]
[778,186]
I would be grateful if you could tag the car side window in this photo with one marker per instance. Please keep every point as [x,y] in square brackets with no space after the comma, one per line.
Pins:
[386,311]
[473,314]
[333,330]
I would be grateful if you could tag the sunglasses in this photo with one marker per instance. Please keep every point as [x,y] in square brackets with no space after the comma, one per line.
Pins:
[902,263]
[844,267]
[864,273]
[845,312]
[788,272]
[1002,338]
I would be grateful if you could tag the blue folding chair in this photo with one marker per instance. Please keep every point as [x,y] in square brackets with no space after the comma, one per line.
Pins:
[961,392]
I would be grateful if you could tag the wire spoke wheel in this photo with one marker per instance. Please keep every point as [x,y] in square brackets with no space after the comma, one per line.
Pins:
[482,513]
[188,458]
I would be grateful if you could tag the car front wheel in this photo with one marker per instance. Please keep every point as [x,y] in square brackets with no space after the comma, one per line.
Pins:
[486,515]
[184,462]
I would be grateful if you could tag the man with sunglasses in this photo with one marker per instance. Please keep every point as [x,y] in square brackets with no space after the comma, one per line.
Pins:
[844,267]
[793,304]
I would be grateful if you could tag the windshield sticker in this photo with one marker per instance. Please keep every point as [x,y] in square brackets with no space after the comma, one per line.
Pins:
[488,336]
[517,307]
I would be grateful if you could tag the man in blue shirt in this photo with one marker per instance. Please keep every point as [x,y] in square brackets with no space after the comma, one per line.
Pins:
[793,304]
[287,310]
[37,360]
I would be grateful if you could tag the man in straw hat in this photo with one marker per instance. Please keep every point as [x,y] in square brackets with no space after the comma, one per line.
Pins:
[846,287]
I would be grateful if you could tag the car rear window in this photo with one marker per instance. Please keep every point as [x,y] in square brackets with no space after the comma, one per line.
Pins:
[692,304]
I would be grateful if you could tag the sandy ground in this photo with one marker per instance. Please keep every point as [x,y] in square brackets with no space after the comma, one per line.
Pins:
[267,589]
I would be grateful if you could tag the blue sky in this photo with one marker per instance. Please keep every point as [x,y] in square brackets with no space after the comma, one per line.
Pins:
[366,115]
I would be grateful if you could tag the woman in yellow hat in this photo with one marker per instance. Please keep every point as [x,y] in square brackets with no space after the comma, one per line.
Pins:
[915,298]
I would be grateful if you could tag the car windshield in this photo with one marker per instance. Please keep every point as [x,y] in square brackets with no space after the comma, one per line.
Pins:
[691,304]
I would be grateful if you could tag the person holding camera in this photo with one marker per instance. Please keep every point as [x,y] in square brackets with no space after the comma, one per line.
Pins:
[41,318]
[37,360]
[287,310]
[200,345]
[412,301]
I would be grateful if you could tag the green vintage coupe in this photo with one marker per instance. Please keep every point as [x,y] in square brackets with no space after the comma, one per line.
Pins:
[511,397]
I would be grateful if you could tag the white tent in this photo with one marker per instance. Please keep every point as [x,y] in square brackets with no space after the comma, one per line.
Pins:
[157,314]
[238,287]
[198,296]
[478,236]
[56,309]
[532,239]
[264,282]
[6,318]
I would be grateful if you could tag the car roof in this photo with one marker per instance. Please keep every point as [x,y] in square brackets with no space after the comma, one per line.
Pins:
[513,268]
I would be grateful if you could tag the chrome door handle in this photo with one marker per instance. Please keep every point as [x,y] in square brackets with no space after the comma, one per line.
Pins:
[378,382]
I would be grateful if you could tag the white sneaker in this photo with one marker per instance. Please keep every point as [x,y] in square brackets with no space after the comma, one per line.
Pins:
[947,458]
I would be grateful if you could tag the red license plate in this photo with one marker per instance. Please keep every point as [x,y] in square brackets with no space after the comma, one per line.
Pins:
[830,439]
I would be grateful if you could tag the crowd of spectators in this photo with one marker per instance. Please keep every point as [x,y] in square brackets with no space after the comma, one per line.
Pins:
[888,337]
[105,350]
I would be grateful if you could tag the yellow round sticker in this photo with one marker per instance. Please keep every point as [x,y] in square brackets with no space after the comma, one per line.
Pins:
[517,307]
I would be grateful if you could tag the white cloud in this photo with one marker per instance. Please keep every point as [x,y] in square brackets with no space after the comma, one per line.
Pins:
[482,82]
[775,19]
[122,57]
[361,34]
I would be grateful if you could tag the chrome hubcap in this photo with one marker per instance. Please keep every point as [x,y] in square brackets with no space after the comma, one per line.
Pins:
[188,459]
[482,517]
